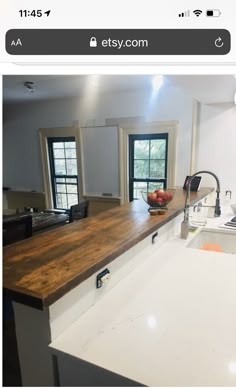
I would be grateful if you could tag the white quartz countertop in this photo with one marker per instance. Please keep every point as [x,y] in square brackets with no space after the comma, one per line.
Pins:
[170,322]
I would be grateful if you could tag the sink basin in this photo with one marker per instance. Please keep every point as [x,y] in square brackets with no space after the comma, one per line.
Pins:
[216,240]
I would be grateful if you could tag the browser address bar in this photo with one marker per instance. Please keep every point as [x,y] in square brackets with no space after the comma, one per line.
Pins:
[118,42]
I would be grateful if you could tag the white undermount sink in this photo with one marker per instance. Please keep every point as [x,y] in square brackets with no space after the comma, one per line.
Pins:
[214,239]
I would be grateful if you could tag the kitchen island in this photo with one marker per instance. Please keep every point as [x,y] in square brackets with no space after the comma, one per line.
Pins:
[51,278]
[170,322]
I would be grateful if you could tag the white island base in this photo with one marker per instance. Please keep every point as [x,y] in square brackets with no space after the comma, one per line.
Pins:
[170,322]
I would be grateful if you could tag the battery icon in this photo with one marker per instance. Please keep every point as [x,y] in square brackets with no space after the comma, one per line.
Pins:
[213,12]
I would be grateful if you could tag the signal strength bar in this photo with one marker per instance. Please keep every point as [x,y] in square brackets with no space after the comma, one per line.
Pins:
[185,14]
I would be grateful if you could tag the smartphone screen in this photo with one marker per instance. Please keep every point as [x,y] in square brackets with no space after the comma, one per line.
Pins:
[103,101]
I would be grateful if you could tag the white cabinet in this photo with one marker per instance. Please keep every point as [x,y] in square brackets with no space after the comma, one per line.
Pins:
[73,372]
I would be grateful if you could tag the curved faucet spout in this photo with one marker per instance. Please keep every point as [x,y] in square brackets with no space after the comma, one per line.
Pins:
[185,223]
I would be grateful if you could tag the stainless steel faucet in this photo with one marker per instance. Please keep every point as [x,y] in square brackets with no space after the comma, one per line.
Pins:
[185,224]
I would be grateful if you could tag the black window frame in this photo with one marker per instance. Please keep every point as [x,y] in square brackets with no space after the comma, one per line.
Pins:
[132,179]
[53,174]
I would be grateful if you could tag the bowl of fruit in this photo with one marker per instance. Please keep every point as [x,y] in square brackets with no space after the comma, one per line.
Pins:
[158,200]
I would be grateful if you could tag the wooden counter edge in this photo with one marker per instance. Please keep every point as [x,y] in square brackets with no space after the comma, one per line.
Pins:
[40,303]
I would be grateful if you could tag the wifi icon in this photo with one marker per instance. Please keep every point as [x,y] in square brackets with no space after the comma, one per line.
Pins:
[197,12]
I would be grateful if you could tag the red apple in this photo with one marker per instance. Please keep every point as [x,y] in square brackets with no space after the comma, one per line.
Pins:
[161,193]
[151,198]
[159,200]
[165,196]
[170,195]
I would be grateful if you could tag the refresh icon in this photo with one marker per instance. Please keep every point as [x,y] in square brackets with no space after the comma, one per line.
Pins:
[219,42]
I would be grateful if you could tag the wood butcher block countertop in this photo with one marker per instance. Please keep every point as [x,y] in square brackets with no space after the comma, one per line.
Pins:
[40,270]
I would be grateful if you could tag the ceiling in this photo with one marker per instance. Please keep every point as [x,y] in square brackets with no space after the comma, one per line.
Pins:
[205,88]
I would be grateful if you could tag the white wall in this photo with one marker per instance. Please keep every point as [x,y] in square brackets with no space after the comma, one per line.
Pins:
[217,145]
[21,151]
[22,167]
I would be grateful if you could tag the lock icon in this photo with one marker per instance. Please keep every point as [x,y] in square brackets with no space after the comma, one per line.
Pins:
[93,42]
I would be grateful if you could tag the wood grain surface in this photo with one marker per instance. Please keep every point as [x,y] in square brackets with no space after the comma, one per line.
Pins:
[40,270]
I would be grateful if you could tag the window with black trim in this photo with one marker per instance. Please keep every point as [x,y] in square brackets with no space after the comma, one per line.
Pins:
[147,163]
[63,169]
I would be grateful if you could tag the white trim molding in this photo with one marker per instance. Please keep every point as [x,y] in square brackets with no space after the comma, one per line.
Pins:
[170,127]
[195,135]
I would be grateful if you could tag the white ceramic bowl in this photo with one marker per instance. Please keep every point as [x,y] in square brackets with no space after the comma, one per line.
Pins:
[233,207]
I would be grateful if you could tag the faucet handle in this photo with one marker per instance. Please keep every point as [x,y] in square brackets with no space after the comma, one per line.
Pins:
[198,207]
